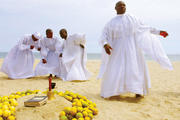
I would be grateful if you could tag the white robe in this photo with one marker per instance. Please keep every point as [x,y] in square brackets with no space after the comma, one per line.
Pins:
[125,69]
[19,62]
[74,59]
[50,50]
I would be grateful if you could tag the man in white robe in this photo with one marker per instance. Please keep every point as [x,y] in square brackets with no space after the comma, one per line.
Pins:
[50,50]
[123,68]
[18,64]
[74,57]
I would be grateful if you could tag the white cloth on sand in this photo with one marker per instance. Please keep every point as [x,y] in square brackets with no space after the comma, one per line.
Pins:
[50,50]
[125,69]
[74,58]
[19,61]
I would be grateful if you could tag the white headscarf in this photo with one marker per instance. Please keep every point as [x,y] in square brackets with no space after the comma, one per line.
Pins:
[37,35]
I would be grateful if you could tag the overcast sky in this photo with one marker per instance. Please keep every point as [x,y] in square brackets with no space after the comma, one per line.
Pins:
[19,17]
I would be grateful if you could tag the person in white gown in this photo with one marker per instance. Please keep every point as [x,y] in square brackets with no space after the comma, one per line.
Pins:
[18,63]
[123,68]
[50,50]
[74,57]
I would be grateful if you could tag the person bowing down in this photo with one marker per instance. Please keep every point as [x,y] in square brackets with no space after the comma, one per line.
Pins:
[74,57]
[18,63]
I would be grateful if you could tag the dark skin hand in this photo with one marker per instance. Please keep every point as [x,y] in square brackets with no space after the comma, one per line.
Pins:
[108,49]
[32,47]
[163,33]
[60,55]
[44,61]
[81,46]
[39,49]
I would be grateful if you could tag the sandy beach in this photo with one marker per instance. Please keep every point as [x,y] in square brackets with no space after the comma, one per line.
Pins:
[162,103]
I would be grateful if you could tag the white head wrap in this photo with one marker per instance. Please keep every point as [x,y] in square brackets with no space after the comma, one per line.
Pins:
[37,35]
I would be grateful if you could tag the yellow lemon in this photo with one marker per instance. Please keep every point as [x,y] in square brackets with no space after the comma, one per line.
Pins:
[12,108]
[6,113]
[81,119]
[79,115]
[4,98]
[18,93]
[85,114]
[89,111]
[94,104]
[1,112]
[14,102]
[63,118]
[90,115]
[95,111]
[74,96]
[12,96]
[61,94]
[87,118]
[11,118]
[67,109]
[17,96]
[74,104]
[74,119]
[78,104]
[73,111]
[79,109]
[75,100]
[62,113]
[5,107]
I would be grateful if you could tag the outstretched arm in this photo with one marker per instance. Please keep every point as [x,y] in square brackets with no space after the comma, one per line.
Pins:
[142,26]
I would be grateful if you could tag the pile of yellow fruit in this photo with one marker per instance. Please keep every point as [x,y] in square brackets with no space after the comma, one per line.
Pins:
[8,104]
[82,108]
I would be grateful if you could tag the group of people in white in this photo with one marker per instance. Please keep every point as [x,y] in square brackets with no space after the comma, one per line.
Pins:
[65,60]
[123,69]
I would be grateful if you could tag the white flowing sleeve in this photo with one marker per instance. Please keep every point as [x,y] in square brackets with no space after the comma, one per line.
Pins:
[81,40]
[104,36]
[104,39]
[151,44]
[23,43]
[62,47]
[44,50]
[143,26]
[58,46]
[37,45]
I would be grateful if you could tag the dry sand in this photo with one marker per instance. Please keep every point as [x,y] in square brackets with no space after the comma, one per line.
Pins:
[162,103]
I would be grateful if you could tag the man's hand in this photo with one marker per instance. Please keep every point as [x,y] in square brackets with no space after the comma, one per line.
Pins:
[39,49]
[81,46]
[32,46]
[108,49]
[163,33]
[60,55]
[44,61]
